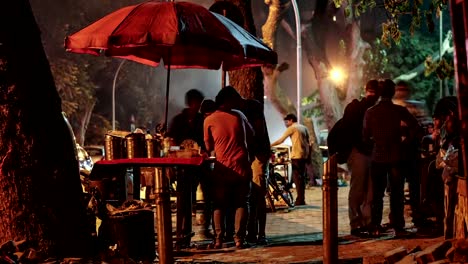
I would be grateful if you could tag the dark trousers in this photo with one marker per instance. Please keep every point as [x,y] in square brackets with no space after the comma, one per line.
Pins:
[257,204]
[184,204]
[413,177]
[230,194]
[298,176]
[206,187]
[379,172]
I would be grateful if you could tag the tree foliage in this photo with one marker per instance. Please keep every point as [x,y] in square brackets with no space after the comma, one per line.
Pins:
[390,62]
[419,12]
[75,88]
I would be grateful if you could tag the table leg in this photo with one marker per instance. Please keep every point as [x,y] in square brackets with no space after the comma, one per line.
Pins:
[184,208]
[163,218]
[136,182]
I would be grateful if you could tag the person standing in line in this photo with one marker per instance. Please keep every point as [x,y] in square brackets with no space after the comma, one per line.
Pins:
[382,128]
[411,154]
[188,125]
[228,133]
[207,107]
[253,110]
[258,208]
[359,162]
[300,153]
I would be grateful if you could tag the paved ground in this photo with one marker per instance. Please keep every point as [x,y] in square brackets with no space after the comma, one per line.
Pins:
[295,236]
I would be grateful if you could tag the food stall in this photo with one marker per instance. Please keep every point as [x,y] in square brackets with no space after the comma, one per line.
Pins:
[138,151]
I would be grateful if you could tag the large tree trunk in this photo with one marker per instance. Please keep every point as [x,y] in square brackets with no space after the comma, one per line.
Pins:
[318,34]
[273,90]
[42,200]
[247,81]
[357,48]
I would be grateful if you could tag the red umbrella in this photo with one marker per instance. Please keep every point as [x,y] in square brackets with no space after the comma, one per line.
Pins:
[181,34]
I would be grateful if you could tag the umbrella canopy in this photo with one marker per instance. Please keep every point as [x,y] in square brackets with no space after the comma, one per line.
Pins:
[181,34]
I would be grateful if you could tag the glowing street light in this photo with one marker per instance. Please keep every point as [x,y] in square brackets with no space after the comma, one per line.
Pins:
[337,75]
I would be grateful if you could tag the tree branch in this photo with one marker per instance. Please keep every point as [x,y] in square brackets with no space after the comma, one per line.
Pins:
[446,48]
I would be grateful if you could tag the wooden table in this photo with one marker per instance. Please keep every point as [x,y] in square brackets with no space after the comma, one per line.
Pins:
[162,193]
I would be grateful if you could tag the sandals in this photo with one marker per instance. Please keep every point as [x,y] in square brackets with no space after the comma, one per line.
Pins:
[216,244]
[240,244]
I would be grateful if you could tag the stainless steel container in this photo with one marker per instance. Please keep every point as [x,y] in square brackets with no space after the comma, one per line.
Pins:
[136,146]
[115,147]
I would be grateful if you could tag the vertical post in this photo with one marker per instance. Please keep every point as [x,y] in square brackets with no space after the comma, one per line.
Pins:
[441,30]
[459,16]
[168,81]
[223,72]
[113,93]
[299,59]
[330,211]
[163,217]
[223,79]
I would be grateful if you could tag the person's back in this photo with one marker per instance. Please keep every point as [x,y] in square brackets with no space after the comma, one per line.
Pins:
[385,130]
[382,126]
[300,141]
[256,227]
[224,133]
[357,154]
[253,110]
[228,133]
[259,149]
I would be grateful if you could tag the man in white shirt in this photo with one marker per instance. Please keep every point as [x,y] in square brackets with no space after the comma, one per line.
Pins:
[299,135]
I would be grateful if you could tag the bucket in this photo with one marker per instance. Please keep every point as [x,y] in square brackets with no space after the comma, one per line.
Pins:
[133,232]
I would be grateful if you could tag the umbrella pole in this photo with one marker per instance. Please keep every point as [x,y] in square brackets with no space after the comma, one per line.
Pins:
[223,79]
[168,80]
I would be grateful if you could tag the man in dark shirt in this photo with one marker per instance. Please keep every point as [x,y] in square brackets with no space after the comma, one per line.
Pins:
[382,126]
[359,161]
[253,109]
[411,154]
[188,125]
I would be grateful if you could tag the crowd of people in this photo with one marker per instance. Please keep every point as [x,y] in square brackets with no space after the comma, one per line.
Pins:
[233,130]
[393,143]
[390,143]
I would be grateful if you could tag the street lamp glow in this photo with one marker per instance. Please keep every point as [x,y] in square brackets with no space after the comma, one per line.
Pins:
[337,75]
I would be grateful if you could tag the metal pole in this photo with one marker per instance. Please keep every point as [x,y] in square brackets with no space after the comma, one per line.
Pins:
[163,217]
[330,211]
[223,72]
[299,59]
[441,82]
[223,79]
[113,93]
[168,81]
